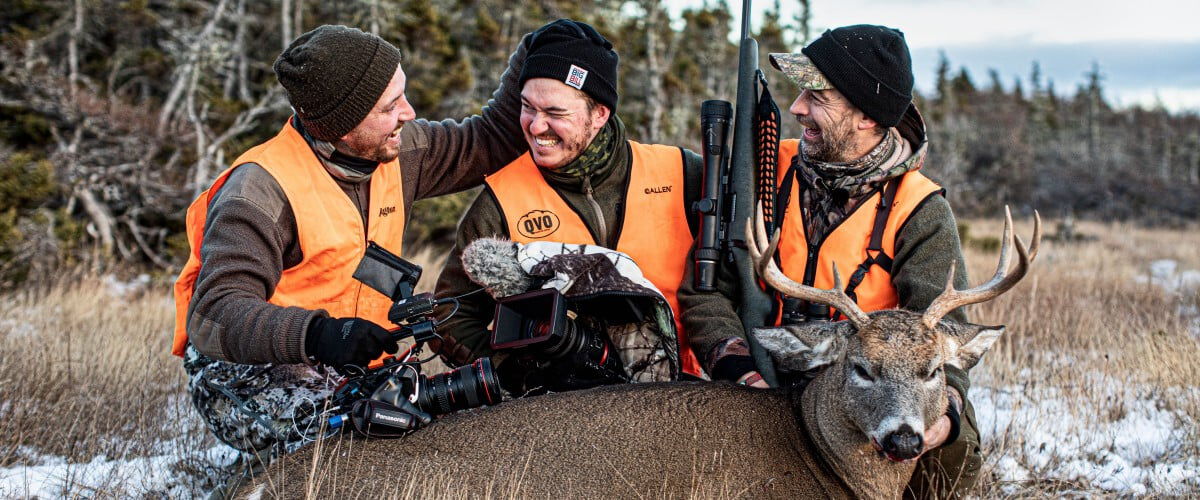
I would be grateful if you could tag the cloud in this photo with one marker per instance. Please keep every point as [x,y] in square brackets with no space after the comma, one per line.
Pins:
[1133,71]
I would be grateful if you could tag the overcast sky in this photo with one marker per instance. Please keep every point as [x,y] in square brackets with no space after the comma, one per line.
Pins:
[1148,50]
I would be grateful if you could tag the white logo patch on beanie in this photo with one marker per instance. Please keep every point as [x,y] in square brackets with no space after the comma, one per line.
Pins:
[576,77]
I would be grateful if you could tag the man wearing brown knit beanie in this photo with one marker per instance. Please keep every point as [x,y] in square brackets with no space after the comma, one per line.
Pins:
[268,300]
[863,142]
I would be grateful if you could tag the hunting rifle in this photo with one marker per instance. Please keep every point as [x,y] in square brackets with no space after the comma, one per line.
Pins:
[729,194]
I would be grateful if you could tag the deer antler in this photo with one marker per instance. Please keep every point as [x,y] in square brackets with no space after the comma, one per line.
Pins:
[952,299]
[764,264]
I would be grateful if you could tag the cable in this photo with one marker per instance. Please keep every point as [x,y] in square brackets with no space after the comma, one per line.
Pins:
[454,311]
[472,292]
[432,354]
[457,304]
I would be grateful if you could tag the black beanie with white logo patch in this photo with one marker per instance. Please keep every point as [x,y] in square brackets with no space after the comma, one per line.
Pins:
[575,54]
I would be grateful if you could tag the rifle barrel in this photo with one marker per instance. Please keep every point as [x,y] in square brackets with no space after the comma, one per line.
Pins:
[756,304]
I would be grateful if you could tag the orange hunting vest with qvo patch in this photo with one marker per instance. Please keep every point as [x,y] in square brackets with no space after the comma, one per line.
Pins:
[329,230]
[654,229]
[862,245]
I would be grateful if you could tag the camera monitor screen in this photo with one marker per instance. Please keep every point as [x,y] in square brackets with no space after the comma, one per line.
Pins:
[528,318]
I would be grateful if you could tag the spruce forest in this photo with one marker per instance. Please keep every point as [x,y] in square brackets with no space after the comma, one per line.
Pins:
[114,114]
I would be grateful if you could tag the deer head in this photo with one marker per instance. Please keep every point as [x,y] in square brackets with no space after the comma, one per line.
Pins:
[891,363]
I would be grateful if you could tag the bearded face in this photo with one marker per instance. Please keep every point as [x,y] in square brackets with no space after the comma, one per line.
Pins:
[829,123]
[831,141]
[377,136]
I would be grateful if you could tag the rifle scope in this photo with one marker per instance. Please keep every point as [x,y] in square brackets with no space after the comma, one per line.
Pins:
[715,116]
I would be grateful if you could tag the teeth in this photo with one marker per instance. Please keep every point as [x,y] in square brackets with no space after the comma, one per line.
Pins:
[546,142]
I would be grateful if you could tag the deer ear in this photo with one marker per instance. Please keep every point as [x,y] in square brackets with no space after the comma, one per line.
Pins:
[805,347]
[968,343]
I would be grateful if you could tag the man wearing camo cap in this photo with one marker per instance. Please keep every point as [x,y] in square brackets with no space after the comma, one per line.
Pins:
[862,147]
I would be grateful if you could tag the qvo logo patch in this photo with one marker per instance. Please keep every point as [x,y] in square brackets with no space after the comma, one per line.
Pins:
[537,224]
[576,77]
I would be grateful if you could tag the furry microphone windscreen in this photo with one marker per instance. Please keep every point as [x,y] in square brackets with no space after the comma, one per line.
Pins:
[492,262]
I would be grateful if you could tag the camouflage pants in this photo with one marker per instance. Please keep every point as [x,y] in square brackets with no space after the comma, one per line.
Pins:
[261,410]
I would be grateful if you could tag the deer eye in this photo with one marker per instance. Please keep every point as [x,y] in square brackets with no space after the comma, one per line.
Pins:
[862,372]
[934,373]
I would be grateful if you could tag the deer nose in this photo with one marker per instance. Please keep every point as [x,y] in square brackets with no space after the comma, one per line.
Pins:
[903,443]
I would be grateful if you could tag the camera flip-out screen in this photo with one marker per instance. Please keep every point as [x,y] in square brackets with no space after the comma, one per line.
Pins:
[387,273]
[528,318]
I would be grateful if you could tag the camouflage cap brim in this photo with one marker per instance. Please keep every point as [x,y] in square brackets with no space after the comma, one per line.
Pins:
[800,70]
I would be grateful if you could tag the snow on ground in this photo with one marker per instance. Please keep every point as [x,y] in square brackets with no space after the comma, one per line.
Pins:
[117,288]
[1140,450]
[1184,283]
[185,466]
[160,475]
[1130,445]
[1166,273]
[1137,451]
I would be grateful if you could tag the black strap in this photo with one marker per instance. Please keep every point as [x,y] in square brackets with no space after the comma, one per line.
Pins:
[782,199]
[784,196]
[875,253]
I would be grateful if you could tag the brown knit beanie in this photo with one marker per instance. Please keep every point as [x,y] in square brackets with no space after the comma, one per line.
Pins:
[333,76]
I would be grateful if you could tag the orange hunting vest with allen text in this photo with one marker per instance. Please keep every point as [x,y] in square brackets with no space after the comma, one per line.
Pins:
[654,228]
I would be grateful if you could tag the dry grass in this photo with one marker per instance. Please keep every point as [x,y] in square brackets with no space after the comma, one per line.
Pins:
[1088,324]
[85,372]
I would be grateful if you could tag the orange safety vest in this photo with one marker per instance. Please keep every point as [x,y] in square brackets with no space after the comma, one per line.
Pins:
[654,228]
[863,254]
[328,227]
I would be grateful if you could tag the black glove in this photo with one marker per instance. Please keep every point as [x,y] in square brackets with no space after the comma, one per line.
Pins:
[338,342]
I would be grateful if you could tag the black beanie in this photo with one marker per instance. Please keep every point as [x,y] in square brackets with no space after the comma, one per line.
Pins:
[333,76]
[577,55]
[870,65]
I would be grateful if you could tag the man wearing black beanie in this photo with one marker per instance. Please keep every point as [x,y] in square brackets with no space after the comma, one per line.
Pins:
[862,147]
[583,182]
[268,298]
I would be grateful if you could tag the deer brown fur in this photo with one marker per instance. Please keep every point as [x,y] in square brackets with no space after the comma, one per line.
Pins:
[881,376]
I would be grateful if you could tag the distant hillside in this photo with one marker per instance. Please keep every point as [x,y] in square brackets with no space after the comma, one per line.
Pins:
[114,114]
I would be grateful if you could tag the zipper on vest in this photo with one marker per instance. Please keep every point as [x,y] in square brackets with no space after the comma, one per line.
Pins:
[810,266]
[602,240]
[363,211]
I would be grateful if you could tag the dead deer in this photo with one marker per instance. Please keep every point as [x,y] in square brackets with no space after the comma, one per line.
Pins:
[854,431]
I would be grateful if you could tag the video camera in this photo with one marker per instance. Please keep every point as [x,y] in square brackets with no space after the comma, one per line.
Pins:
[396,397]
[555,346]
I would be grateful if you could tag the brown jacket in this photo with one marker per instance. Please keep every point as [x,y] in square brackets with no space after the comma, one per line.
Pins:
[250,238]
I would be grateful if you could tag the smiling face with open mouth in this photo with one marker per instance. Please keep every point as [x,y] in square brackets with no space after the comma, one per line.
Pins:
[558,121]
[377,137]
[829,122]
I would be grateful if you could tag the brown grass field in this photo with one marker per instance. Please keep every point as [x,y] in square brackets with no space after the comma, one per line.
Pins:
[92,404]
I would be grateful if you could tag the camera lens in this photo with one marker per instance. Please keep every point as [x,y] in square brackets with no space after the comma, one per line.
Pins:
[469,386]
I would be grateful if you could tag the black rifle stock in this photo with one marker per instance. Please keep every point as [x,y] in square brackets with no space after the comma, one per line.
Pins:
[756,304]
[728,198]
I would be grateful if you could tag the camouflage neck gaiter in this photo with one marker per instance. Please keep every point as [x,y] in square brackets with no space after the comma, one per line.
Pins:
[595,162]
[831,191]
